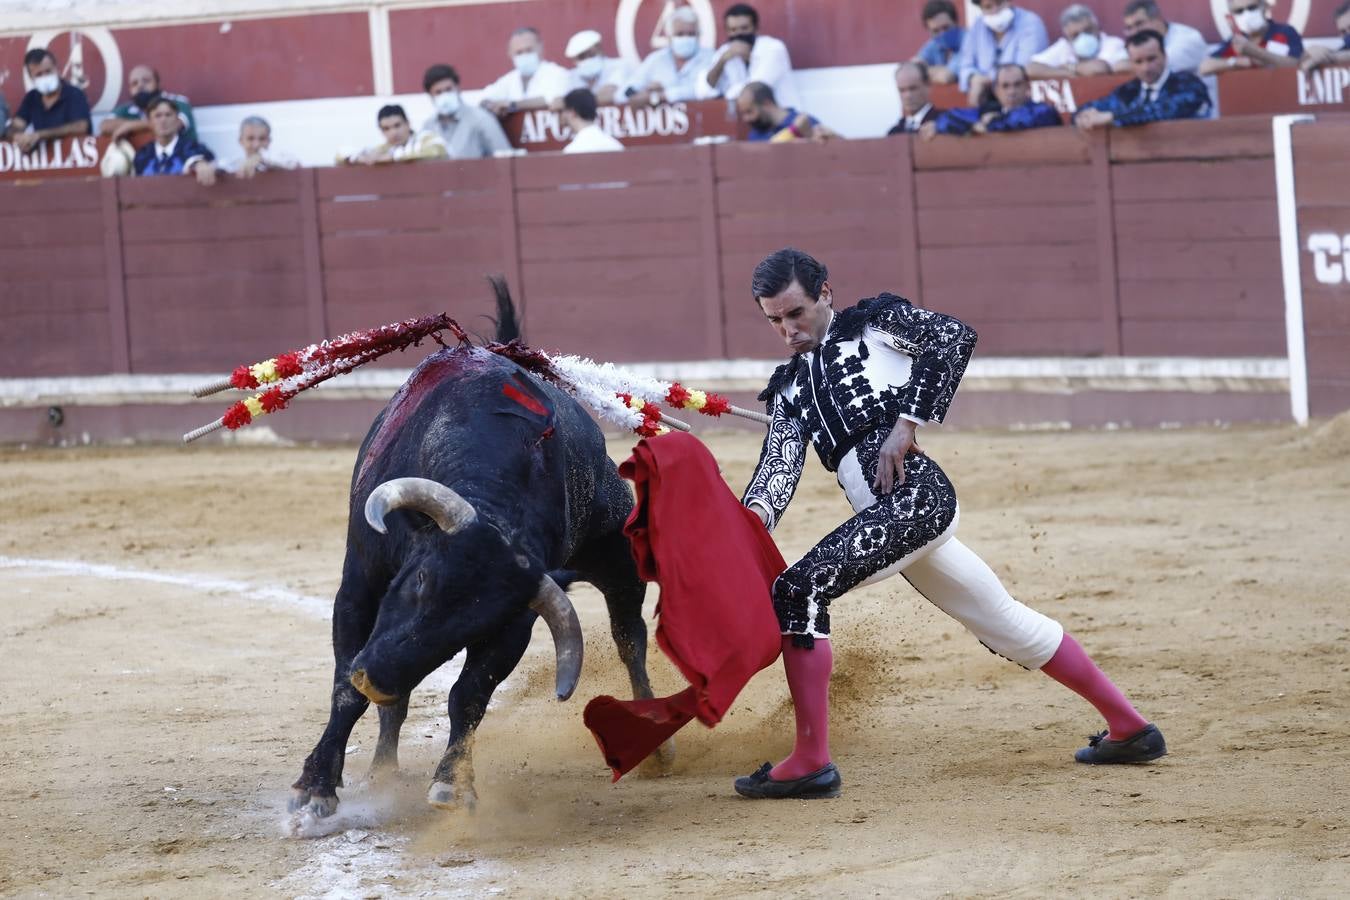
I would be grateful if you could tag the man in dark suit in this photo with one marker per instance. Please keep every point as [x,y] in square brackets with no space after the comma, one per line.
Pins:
[912,83]
[172,152]
[1156,93]
[1015,110]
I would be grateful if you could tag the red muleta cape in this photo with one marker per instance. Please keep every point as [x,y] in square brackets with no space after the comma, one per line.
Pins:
[716,565]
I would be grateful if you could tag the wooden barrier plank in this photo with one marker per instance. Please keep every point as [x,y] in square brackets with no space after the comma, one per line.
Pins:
[1062,337]
[910,283]
[805,196]
[1202,139]
[170,225]
[1049,299]
[1249,179]
[1201,337]
[779,162]
[54,342]
[119,338]
[609,204]
[1001,225]
[404,179]
[55,229]
[1231,259]
[342,252]
[182,190]
[1144,296]
[1038,147]
[429,286]
[18,199]
[311,251]
[603,240]
[408,213]
[1034,187]
[709,252]
[1107,282]
[1322,183]
[641,165]
[1013,270]
[205,258]
[88,293]
[1324,142]
[827,229]
[37,264]
[1197,220]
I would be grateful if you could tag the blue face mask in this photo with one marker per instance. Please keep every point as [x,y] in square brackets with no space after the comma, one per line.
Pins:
[950,40]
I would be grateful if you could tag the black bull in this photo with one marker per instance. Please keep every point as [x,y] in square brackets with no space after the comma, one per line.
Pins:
[487,480]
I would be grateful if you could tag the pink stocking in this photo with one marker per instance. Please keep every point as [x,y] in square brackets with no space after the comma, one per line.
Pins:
[1073,668]
[808,677]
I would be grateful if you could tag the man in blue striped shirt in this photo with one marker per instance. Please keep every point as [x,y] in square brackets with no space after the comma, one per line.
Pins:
[1155,94]
[1015,112]
[1003,34]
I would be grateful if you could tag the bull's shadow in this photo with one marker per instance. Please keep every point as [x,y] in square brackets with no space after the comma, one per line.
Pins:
[478,494]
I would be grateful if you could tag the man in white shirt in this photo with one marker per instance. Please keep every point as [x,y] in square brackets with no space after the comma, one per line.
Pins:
[676,71]
[603,76]
[749,56]
[532,83]
[1083,50]
[578,114]
[255,139]
[1186,47]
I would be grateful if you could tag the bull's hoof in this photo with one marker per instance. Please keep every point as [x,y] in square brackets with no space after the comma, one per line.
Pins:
[661,763]
[319,806]
[444,795]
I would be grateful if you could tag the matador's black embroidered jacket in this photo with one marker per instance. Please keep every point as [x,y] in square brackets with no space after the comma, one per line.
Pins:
[880,360]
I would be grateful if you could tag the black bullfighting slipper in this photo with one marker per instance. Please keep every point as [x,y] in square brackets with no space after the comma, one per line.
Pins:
[824,782]
[1145,746]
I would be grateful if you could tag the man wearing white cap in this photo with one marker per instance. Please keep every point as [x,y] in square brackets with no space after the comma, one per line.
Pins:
[592,69]
[532,83]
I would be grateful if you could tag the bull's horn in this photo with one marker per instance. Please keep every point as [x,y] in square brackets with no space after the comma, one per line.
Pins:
[555,608]
[448,509]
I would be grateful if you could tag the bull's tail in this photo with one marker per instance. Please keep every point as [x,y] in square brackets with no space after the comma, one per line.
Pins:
[508,328]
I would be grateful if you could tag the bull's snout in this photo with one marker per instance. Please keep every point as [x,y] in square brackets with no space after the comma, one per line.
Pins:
[361,681]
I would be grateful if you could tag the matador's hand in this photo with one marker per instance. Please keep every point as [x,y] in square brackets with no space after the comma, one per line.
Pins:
[891,463]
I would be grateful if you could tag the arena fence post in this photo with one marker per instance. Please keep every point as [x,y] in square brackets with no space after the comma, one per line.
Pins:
[1287,206]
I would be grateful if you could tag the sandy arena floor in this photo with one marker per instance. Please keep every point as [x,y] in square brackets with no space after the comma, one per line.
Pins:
[167,664]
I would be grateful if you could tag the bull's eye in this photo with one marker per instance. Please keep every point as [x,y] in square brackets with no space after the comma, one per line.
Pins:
[522,560]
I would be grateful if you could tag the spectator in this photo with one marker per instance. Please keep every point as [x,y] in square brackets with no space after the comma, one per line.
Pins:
[578,114]
[255,139]
[1003,35]
[912,82]
[52,109]
[749,56]
[1317,57]
[532,83]
[1155,94]
[757,107]
[1016,110]
[172,152]
[675,72]
[4,114]
[400,144]
[1083,50]
[131,117]
[592,70]
[1186,47]
[1257,42]
[939,54]
[468,132]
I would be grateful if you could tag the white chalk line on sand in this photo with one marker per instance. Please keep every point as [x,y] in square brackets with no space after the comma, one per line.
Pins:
[346,861]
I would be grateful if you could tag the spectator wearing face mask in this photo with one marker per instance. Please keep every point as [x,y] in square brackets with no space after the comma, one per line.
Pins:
[603,76]
[749,56]
[52,109]
[1257,42]
[1156,93]
[131,117]
[944,43]
[1082,50]
[1003,35]
[1016,111]
[400,143]
[673,73]
[579,114]
[532,83]
[1186,47]
[468,132]
[1316,57]
[757,107]
[255,140]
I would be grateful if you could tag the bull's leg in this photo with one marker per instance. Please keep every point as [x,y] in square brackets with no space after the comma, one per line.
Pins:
[486,665]
[385,761]
[608,564]
[353,617]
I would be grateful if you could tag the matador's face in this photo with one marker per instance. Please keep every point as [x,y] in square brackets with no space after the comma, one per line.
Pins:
[800,320]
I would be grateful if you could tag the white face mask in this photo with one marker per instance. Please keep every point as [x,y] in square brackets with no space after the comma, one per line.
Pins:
[684,46]
[47,84]
[1086,45]
[526,63]
[447,103]
[1000,20]
[591,66]
[1252,21]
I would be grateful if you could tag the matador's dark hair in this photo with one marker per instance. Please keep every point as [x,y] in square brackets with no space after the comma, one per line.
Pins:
[782,267]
